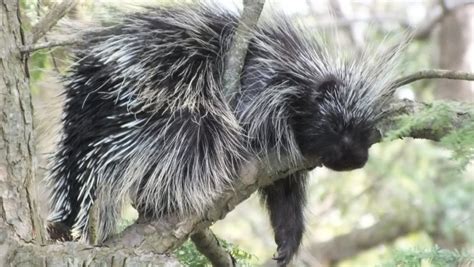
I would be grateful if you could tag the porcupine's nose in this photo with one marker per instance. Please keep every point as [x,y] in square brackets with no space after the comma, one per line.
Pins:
[347,155]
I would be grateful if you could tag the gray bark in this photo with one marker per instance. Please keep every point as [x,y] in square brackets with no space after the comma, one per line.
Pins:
[18,217]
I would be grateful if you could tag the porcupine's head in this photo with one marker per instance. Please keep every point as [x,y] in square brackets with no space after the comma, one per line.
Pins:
[313,101]
[336,114]
[330,123]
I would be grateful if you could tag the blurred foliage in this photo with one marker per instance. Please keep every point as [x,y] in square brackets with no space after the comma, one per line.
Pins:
[38,63]
[435,257]
[461,142]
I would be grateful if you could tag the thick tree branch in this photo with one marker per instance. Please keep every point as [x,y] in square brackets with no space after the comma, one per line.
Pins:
[164,236]
[408,107]
[56,12]
[77,254]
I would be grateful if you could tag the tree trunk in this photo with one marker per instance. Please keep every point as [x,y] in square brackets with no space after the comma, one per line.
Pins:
[456,50]
[18,216]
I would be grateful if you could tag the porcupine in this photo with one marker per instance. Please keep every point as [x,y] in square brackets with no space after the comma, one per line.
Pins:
[145,117]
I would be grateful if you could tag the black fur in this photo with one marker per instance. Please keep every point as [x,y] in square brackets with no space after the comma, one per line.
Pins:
[341,145]
[285,200]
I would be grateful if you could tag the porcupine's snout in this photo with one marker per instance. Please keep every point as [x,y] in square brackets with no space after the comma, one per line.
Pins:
[345,155]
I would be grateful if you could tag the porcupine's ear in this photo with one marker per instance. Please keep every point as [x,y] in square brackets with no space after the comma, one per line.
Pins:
[328,85]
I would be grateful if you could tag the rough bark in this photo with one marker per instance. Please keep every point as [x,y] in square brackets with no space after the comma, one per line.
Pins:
[73,254]
[17,163]
[207,243]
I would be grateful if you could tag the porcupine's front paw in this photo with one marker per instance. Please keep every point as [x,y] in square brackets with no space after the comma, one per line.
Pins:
[285,201]
[285,252]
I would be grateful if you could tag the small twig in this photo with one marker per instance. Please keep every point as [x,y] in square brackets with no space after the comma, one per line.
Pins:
[51,44]
[238,50]
[50,19]
[207,243]
[433,74]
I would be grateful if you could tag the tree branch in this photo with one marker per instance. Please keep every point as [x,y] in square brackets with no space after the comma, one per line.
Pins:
[207,243]
[433,74]
[408,107]
[348,245]
[51,44]
[77,254]
[164,236]
[236,55]
[50,19]
[167,234]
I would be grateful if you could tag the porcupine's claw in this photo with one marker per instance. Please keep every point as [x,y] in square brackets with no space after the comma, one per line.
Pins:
[284,254]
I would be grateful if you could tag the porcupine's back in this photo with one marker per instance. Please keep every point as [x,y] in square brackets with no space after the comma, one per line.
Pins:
[144,115]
